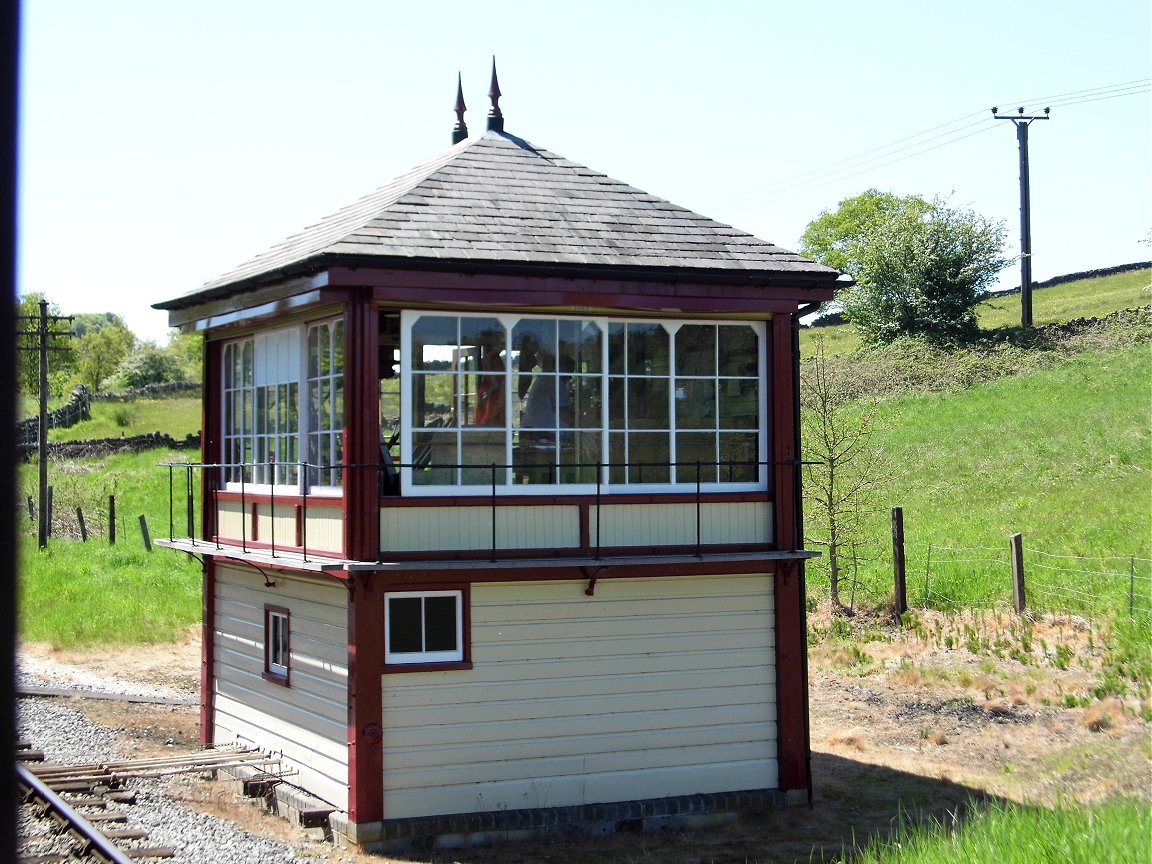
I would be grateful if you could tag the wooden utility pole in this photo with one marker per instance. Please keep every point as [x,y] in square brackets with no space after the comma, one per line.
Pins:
[1022,123]
[43,328]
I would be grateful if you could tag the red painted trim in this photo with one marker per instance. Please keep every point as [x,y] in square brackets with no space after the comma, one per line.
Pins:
[791,693]
[313,501]
[361,429]
[365,706]
[208,653]
[400,668]
[581,292]
[210,421]
[790,614]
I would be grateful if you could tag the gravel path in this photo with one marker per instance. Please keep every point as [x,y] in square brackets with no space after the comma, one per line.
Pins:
[68,736]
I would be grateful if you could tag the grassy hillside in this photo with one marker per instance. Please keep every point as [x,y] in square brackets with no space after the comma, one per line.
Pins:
[1057,303]
[176,416]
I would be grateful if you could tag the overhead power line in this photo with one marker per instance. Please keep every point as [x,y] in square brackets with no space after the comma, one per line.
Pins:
[917,144]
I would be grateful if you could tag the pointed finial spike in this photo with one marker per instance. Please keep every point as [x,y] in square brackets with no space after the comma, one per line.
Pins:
[460,130]
[495,116]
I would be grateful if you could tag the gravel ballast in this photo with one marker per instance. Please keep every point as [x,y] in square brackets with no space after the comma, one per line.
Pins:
[68,736]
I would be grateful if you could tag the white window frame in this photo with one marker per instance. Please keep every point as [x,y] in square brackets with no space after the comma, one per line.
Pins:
[406,658]
[274,361]
[505,484]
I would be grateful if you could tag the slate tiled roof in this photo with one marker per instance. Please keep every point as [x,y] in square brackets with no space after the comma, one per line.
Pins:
[496,198]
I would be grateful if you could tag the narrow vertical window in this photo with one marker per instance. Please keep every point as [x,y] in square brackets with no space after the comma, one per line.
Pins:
[276,644]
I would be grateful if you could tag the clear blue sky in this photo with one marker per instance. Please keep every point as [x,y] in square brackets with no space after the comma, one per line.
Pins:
[163,143]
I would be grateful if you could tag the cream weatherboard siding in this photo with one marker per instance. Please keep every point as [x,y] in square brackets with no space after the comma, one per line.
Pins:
[651,688]
[306,721]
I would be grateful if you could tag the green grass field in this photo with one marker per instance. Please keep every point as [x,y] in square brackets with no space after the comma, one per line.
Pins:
[1115,832]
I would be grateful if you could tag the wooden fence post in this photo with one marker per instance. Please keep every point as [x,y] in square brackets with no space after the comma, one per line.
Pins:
[1018,598]
[144,533]
[111,520]
[901,593]
[48,513]
[83,527]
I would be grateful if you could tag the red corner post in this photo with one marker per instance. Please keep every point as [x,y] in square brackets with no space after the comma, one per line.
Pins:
[362,543]
[365,705]
[791,648]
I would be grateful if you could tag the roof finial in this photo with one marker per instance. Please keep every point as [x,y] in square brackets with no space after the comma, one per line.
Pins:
[495,118]
[460,130]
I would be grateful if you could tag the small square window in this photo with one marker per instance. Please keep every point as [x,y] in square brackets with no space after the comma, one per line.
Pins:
[424,627]
[276,644]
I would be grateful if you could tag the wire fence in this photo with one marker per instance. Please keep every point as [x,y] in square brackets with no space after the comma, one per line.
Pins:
[983,577]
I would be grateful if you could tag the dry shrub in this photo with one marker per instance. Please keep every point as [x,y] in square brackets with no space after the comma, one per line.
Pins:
[853,739]
[1102,716]
[938,738]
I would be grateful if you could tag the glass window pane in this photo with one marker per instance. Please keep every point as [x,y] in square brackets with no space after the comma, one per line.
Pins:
[432,400]
[695,403]
[647,403]
[587,403]
[616,354]
[738,350]
[617,457]
[696,350]
[405,625]
[535,457]
[440,624]
[647,349]
[739,403]
[579,457]
[432,337]
[692,447]
[579,349]
[739,452]
[435,458]
[649,455]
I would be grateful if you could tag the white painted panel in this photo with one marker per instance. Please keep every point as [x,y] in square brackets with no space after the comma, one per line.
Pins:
[675,524]
[405,529]
[650,688]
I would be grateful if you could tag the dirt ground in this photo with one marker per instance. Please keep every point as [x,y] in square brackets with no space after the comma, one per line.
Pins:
[931,721]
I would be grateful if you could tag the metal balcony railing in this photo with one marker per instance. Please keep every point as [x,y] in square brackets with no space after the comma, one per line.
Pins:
[499,493]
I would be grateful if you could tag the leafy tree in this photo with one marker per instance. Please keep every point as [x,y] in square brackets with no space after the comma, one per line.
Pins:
[187,350]
[89,322]
[833,237]
[148,364]
[101,351]
[920,267]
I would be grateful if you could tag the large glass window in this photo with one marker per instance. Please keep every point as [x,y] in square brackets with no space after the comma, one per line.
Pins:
[265,428]
[537,402]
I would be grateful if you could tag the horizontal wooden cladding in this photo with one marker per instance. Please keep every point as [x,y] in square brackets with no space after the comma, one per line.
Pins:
[577,289]
[306,721]
[650,688]
[575,528]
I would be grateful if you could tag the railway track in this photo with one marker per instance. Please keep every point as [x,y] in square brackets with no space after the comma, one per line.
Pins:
[78,812]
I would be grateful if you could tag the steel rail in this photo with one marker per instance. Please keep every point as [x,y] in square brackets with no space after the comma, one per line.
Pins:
[95,843]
